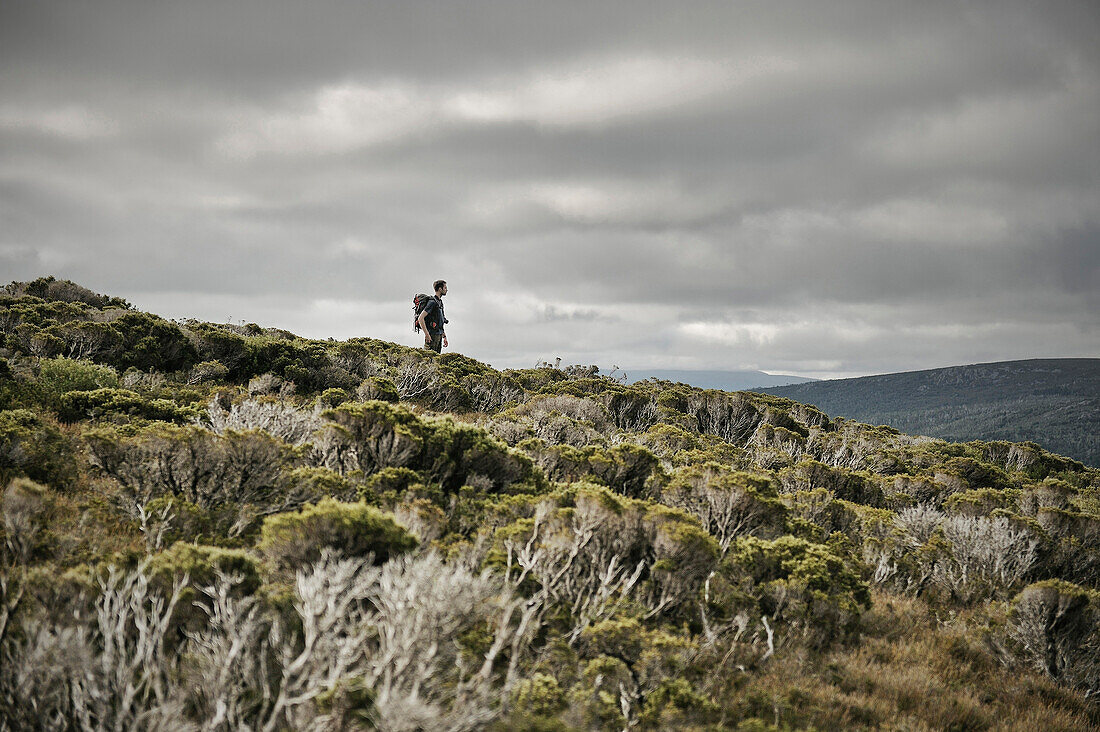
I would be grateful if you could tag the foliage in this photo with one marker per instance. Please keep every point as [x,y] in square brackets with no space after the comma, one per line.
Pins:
[32,446]
[101,403]
[201,566]
[295,540]
[803,585]
[362,534]
[1056,626]
[59,375]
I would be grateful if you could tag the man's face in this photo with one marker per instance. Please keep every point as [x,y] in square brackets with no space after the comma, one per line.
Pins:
[443,289]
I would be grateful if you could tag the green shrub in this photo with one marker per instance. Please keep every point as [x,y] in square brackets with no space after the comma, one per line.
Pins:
[313,484]
[676,705]
[201,565]
[389,481]
[378,387]
[728,503]
[1056,629]
[293,540]
[59,375]
[538,695]
[628,469]
[152,343]
[77,405]
[333,397]
[207,371]
[847,485]
[372,436]
[806,585]
[51,288]
[34,447]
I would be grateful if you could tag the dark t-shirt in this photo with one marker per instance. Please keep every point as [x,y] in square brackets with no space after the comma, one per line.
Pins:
[433,316]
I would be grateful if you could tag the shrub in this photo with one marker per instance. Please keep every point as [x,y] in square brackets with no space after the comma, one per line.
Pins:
[24,514]
[378,387]
[293,540]
[59,375]
[189,462]
[539,695]
[268,383]
[578,408]
[77,405]
[628,469]
[201,565]
[333,397]
[311,484]
[1056,626]
[809,474]
[390,480]
[168,519]
[207,371]
[372,436]
[729,504]
[278,419]
[51,288]
[216,344]
[457,453]
[34,447]
[987,556]
[803,585]
[149,343]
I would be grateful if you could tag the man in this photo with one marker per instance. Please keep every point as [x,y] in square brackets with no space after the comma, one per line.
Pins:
[432,320]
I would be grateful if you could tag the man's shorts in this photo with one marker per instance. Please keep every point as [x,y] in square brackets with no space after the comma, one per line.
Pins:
[436,344]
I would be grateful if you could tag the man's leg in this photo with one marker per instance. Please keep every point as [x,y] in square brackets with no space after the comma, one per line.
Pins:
[437,343]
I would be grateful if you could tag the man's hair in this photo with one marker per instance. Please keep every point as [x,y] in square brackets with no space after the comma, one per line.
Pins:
[437,284]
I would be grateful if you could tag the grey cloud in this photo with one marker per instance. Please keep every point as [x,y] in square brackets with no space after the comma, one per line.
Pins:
[897,185]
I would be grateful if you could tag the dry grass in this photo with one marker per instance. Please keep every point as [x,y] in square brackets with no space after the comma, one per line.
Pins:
[909,674]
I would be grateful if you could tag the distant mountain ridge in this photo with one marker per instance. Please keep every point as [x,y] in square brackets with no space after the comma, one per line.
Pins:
[724,380]
[1053,402]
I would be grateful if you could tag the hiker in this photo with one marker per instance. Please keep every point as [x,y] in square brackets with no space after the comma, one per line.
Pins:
[431,319]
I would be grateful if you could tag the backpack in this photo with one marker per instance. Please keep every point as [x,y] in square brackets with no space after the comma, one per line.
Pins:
[420,301]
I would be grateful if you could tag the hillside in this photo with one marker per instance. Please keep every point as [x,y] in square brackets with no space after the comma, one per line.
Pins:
[1054,402]
[724,380]
[218,527]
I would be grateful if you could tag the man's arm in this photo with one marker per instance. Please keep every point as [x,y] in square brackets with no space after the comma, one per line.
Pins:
[424,326]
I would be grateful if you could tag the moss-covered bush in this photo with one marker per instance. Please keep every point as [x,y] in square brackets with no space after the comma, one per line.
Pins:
[74,406]
[34,446]
[201,565]
[803,585]
[60,375]
[293,540]
[378,387]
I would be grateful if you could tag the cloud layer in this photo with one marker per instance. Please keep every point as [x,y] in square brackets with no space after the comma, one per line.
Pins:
[849,189]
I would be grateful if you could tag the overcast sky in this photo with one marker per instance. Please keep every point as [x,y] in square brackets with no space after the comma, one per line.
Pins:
[813,188]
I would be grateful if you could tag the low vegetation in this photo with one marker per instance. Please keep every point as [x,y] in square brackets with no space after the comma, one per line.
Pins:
[224,527]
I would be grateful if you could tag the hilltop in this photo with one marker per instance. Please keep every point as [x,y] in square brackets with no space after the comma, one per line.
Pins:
[1055,402]
[723,380]
[211,526]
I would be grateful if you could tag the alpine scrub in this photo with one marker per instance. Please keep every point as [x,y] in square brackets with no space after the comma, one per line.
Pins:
[210,526]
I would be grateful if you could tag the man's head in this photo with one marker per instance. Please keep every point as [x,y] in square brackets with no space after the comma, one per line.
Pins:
[440,287]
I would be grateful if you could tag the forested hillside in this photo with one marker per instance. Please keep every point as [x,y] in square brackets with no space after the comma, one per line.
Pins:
[1055,402]
[220,527]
